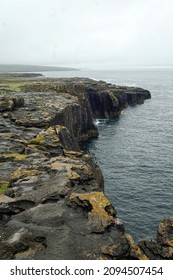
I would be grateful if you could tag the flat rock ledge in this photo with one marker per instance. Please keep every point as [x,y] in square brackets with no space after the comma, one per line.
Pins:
[52,201]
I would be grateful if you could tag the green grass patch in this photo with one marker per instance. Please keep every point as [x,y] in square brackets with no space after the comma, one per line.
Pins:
[15,86]
[3,186]
[7,87]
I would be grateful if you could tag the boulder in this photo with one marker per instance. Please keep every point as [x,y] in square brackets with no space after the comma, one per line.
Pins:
[8,103]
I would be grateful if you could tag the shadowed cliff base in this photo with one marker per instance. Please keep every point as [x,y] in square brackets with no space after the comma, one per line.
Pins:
[51,194]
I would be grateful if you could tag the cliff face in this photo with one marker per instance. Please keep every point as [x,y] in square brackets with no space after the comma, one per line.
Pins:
[52,195]
[97,99]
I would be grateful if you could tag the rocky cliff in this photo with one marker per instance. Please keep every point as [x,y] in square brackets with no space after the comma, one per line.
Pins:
[160,247]
[52,201]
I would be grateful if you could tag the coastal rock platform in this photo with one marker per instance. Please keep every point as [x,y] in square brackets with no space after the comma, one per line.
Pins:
[52,201]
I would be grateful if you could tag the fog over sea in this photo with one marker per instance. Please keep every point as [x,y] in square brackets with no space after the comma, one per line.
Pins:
[135,151]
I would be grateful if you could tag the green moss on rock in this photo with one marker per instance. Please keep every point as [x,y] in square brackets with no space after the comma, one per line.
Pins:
[37,140]
[3,186]
[14,155]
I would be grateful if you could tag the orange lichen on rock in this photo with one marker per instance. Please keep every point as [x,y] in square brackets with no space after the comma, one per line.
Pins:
[75,169]
[99,216]
[165,232]
[22,173]
[115,251]
[135,251]
[166,228]
[66,167]
[124,248]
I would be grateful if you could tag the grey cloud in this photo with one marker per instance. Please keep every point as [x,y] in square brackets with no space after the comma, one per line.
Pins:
[100,32]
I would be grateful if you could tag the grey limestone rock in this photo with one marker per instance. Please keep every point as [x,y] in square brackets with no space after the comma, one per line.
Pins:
[51,194]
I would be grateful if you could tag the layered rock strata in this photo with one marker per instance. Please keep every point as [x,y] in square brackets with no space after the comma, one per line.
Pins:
[52,201]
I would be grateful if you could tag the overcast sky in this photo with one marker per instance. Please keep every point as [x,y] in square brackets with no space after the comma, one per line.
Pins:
[87,33]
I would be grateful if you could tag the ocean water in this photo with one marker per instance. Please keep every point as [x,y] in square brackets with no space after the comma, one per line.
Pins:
[135,151]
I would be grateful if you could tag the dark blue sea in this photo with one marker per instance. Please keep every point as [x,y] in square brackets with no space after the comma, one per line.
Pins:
[135,151]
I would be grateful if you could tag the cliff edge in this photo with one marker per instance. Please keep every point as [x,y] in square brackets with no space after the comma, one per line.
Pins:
[52,201]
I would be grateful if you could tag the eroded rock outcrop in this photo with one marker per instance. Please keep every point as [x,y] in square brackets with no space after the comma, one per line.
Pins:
[105,100]
[51,194]
[8,103]
[160,247]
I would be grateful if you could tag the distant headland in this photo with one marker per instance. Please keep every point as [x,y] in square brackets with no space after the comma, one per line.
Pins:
[6,68]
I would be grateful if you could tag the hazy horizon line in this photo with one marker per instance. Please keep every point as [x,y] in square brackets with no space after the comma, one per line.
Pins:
[95,67]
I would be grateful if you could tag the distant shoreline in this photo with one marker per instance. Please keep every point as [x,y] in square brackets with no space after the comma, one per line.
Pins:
[8,68]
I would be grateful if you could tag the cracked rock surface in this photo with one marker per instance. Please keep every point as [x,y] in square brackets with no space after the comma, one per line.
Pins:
[52,201]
